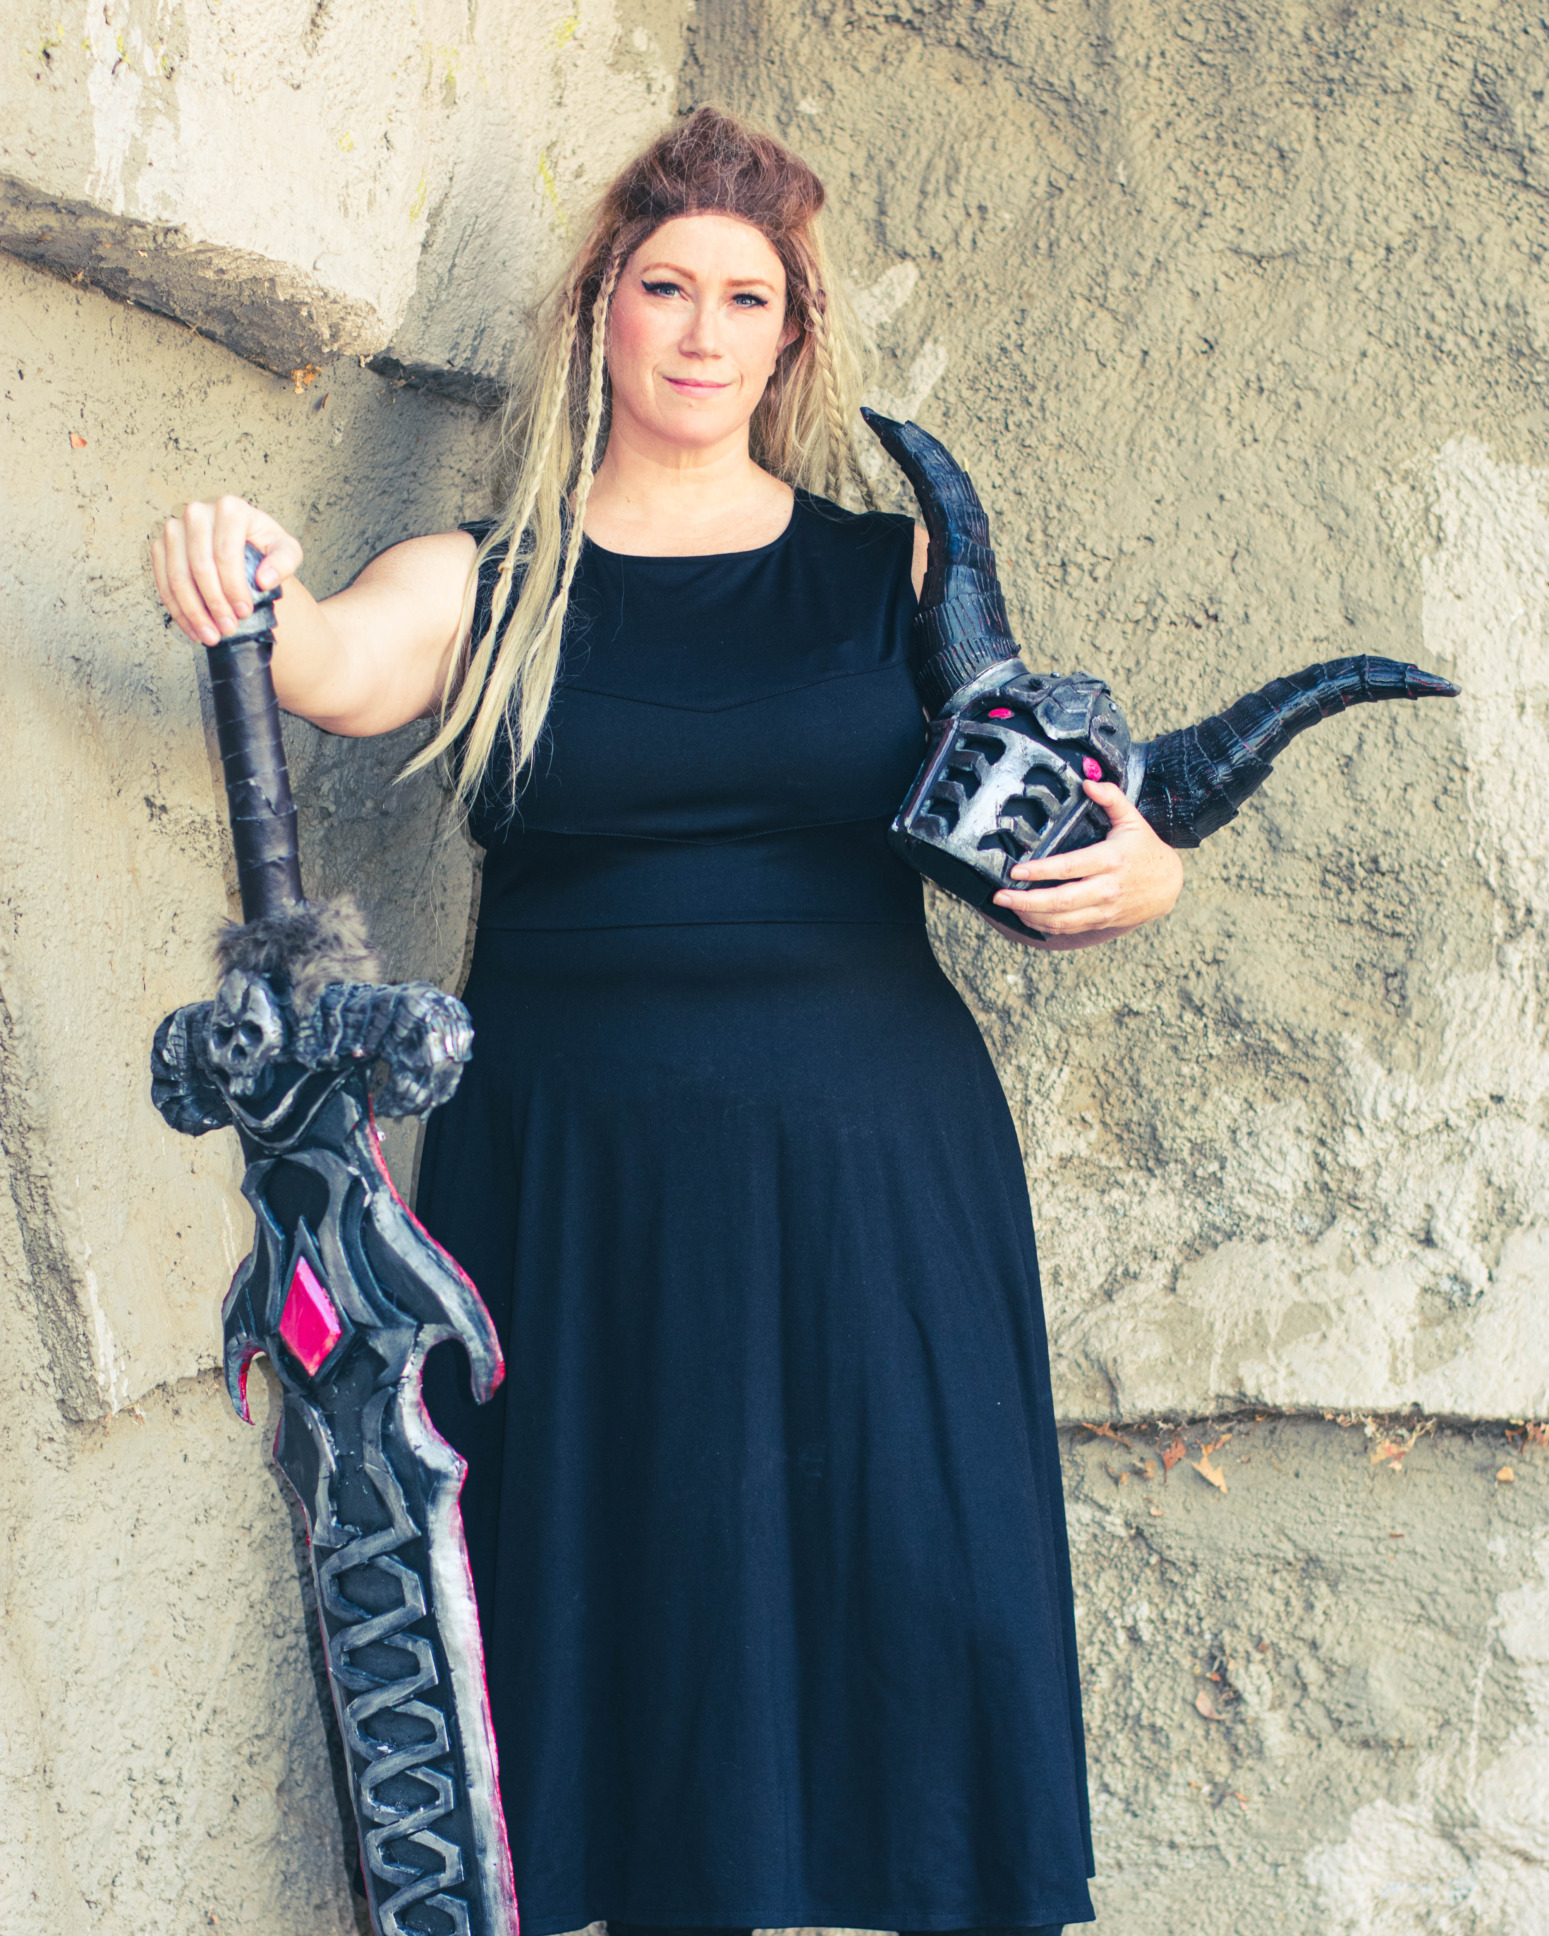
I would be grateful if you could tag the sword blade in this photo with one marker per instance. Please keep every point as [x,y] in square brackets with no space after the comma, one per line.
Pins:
[345,1294]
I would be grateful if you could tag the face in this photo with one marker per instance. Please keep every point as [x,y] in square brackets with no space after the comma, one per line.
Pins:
[695,326]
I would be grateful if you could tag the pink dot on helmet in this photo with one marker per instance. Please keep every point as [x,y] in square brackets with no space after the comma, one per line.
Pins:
[1090,767]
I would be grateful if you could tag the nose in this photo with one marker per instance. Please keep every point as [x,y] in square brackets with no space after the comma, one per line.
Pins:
[702,336]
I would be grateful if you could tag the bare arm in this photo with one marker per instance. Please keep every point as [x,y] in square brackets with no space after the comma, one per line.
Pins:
[369,659]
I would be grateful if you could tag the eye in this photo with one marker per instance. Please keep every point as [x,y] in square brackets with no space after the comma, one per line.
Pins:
[662,288]
[749,299]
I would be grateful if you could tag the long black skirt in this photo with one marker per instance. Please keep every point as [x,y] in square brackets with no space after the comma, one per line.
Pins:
[766,1523]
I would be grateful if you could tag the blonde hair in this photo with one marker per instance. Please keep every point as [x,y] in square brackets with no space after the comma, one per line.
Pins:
[501,682]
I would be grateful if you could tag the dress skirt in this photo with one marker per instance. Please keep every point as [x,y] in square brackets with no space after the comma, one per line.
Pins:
[766,1522]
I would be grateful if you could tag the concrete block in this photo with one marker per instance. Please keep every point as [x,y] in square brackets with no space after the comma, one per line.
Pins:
[299,181]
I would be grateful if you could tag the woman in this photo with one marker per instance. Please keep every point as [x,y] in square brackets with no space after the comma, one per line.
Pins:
[766,1524]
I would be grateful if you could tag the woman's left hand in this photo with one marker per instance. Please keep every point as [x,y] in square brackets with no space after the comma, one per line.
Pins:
[1127,879]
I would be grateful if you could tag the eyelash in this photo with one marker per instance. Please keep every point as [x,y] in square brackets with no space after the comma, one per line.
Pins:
[743,297]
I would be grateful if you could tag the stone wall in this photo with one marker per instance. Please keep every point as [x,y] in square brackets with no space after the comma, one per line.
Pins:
[1236,312]
[293,188]
[299,179]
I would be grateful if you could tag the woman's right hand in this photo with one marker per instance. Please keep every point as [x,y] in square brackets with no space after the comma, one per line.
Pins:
[200,569]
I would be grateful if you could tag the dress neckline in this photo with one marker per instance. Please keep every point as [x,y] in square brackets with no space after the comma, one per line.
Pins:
[699,557]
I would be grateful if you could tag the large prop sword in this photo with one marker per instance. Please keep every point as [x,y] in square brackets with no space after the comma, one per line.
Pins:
[345,1293]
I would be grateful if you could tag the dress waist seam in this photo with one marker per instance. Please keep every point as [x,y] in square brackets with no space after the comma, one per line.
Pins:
[614,837]
[742,921]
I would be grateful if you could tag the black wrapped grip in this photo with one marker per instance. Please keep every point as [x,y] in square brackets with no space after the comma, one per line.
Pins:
[247,727]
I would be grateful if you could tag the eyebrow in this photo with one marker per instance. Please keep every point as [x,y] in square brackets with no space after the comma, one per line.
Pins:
[733,282]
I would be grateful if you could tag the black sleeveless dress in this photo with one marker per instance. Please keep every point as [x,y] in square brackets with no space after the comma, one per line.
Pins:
[766,1523]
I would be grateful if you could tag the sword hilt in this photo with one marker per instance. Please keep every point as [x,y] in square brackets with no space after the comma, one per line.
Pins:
[247,726]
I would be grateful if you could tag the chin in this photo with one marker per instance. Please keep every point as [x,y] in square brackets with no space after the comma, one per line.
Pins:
[697,426]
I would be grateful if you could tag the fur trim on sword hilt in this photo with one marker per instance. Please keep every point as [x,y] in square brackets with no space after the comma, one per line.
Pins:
[303,948]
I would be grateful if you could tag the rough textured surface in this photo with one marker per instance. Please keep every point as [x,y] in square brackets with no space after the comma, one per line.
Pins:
[1318,1685]
[1236,311]
[114,853]
[163,1763]
[299,179]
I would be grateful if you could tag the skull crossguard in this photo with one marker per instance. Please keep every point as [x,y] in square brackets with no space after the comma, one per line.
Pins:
[245,1058]
[246,1031]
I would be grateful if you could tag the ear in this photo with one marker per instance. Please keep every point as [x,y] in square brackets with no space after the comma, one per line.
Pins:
[789,334]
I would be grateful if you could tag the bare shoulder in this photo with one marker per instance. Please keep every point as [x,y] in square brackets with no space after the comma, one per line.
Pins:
[410,594]
[439,563]
[921,557]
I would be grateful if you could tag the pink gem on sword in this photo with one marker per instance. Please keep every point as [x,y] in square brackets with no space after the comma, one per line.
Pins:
[309,1324]
[1090,767]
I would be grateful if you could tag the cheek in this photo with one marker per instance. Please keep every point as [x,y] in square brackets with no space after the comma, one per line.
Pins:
[767,341]
[633,334]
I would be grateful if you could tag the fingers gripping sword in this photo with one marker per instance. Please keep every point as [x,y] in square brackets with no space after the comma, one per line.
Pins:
[345,1293]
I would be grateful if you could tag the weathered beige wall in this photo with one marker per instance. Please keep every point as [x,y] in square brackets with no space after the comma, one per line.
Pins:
[306,178]
[1236,313]
[163,1762]
[1317,1701]
[162,1757]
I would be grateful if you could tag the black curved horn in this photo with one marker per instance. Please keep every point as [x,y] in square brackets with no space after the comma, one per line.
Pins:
[962,629]
[1189,783]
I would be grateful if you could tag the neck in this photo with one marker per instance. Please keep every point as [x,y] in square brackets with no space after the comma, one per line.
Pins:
[650,495]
